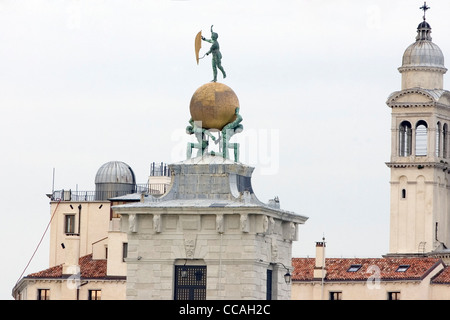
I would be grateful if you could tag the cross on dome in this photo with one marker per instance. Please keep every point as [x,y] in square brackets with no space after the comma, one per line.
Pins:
[424,8]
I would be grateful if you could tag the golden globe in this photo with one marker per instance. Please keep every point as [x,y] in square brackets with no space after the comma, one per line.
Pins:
[214,104]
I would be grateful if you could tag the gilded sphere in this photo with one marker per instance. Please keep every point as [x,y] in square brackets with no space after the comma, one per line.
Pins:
[214,104]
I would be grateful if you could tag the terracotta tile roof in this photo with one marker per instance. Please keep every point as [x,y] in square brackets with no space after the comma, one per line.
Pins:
[337,269]
[443,277]
[92,268]
[53,272]
[89,269]
[303,268]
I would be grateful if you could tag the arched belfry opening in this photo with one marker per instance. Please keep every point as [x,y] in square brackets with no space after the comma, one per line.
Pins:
[405,139]
[421,138]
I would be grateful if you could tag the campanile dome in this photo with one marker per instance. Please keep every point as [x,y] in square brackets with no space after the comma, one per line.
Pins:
[423,52]
[423,62]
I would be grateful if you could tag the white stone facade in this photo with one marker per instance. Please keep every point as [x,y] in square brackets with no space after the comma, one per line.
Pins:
[420,151]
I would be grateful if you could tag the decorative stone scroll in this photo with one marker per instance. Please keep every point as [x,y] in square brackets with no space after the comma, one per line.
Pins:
[157,223]
[244,223]
[132,223]
[219,223]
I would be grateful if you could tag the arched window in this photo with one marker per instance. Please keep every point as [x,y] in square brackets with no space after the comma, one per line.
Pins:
[421,138]
[445,141]
[438,139]
[405,139]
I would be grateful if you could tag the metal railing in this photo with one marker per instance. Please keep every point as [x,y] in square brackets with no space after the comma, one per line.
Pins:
[156,189]
[159,170]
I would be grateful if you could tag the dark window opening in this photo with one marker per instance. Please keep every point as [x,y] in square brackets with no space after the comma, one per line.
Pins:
[124,251]
[354,268]
[402,268]
[405,134]
[43,294]
[190,282]
[69,224]
[335,295]
[95,295]
[445,141]
[269,285]
[395,295]
[438,140]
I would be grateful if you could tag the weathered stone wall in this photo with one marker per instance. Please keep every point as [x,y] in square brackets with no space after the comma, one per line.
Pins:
[209,217]
[237,260]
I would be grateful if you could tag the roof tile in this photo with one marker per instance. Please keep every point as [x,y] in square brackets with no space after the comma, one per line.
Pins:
[337,268]
[53,272]
[442,277]
[89,268]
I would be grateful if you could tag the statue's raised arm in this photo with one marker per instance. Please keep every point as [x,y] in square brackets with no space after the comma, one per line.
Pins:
[210,40]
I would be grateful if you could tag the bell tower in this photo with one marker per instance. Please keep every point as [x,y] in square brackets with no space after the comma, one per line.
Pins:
[420,150]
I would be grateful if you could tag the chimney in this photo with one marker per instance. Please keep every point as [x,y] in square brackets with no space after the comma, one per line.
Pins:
[71,248]
[319,267]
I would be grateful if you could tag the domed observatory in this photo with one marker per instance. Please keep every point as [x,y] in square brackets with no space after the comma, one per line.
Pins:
[114,179]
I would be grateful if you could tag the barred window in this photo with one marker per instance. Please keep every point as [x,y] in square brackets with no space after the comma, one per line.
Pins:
[190,282]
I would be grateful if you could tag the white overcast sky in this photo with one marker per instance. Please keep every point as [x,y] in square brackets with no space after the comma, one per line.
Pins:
[84,82]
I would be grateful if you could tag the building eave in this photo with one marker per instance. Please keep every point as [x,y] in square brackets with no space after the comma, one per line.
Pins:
[195,207]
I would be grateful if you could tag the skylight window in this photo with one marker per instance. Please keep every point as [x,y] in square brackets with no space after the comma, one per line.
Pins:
[402,268]
[354,268]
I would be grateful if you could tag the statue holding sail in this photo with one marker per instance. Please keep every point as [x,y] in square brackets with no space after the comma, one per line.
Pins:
[214,109]
[214,50]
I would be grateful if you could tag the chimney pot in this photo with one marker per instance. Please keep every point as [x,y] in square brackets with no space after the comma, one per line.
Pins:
[319,268]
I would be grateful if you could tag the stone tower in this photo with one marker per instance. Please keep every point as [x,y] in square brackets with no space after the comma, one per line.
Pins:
[420,191]
[208,237]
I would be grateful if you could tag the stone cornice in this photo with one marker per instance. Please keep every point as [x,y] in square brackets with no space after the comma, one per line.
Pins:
[391,101]
[417,105]
[183,210]
[419,165]
[411,105]
[433,96]
[423,68]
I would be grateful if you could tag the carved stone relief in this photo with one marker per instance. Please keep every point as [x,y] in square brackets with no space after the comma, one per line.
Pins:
[189,244]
